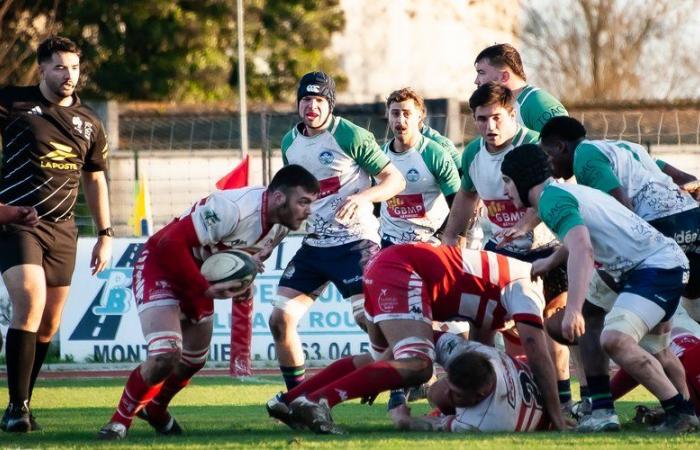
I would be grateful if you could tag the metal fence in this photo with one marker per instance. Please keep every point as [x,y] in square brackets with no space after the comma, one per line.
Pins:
[195,135]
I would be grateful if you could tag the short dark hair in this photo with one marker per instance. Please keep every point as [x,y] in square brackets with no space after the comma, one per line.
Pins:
[55,44]
[563,128]
[491,93]
[501,56]
[470,371]
[291,176]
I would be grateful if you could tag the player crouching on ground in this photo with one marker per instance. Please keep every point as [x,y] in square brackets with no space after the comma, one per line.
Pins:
[485,390]
[175,302]
[650,267]
[406,288]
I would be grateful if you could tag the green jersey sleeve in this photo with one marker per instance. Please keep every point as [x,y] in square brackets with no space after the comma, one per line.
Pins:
[592,168]
[445,142]
[442,167]
[286,143]
[467,158]
[361,146]
[538,106]
[559,211]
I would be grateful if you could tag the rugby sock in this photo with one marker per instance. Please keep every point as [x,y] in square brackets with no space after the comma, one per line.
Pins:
[621,384]
[293,376]
[40,352]
[564,387]
[599,387]
[583,392]
[335,371]
[19,356]
[676,405]
[136,394]
[366,381]
[157,409]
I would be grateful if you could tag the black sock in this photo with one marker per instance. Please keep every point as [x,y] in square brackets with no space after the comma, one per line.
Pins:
[677,405]
[40,352]
[584,392]
[293,375]
[564,387]
[599,387]
[19,354]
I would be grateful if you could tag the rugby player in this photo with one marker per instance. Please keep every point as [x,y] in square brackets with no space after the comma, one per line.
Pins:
[175,301]
[651,269]
[343,232]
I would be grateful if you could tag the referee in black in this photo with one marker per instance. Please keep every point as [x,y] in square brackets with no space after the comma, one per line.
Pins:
[49,140]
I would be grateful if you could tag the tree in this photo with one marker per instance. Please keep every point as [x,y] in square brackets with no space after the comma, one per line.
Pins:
[592,50]
[183,49]
[23,24]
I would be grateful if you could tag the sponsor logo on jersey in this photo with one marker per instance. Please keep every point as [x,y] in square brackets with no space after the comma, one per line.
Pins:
[78,124]
[329,186]
[406,206]
[412,175]
[326,157]
[503,212]
[210,218]
[386,303]
[56,159]
[36,111]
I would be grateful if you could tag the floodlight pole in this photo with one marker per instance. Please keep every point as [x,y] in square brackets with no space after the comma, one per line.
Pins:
[241,80]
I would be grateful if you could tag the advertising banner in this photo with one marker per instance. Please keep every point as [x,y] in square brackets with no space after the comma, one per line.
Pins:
[100,322]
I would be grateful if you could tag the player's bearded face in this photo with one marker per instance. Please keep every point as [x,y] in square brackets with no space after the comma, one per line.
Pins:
[61,73]
[314,111]
[296,208]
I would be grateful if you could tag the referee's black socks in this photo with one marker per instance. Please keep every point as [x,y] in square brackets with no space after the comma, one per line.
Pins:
[20,347]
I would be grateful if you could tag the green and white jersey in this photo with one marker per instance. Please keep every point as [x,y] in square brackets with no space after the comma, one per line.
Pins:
[534,107]
[445,142]
[608,165]
[481,173]
[415,214]
[343,158]
[621,240]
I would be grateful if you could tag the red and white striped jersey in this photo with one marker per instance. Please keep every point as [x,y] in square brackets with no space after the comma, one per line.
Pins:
[488,289]
[516,403]
[234,218]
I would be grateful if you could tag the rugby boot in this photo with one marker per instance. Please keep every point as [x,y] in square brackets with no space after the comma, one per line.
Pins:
[166,427]
[278,409]
[316,415]
[113,431]
[599,420]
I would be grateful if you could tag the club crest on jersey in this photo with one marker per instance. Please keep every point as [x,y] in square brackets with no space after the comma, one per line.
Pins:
[78,124]
[412,175]
[326,157]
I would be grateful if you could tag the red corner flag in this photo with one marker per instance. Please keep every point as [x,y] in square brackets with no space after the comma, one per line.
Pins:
[241,312]
[237,178]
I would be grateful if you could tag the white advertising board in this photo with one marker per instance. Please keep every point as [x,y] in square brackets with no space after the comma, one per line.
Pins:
[100,322]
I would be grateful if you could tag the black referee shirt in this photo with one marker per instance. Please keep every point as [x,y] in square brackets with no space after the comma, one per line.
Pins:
[44,148]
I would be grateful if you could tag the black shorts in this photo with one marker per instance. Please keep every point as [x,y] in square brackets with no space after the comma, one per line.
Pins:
[51,245]
[684,228]
[554,283]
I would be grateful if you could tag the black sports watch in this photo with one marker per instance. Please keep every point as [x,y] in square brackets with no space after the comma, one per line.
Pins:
[106,232]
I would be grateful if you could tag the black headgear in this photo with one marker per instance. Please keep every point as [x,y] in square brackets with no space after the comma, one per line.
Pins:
[528,166]
[319,84]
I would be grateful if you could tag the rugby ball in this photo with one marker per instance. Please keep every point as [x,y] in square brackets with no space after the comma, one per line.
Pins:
[229,265]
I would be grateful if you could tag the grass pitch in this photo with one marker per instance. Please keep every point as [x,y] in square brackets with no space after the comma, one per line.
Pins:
[221,412]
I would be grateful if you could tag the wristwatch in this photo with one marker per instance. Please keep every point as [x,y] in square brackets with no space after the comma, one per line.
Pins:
[106,232]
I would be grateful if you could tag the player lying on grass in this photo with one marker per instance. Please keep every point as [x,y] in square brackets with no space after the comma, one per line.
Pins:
[485,390]
[651,268]
[406,288]
[175,301]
